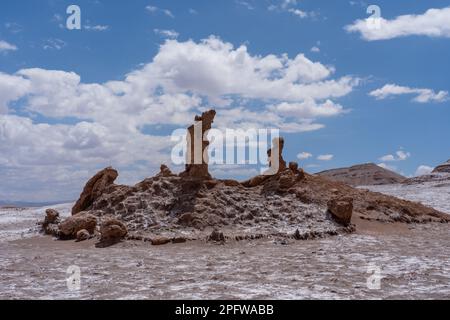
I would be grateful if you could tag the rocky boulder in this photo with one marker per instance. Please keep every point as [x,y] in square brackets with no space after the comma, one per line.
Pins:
[51,221]
[217,236]
[160,241]
[83,235]
[341,210]
[94,189]
[112,230]
[51,217]
[69,228]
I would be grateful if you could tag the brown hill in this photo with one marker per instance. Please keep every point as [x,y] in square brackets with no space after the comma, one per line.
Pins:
[363,175]
[443,168]
[438,177]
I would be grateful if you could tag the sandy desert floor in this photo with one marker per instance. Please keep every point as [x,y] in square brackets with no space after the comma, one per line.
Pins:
[412,263]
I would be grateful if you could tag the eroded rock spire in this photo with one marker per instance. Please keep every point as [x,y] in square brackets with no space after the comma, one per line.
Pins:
[197,145]
[275,155]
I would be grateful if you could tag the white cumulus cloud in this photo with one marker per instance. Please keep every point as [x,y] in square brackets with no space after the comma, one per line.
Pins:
[421,95]
[325,157]
[432,23]
[304,155]
[114,123]
[171,34]
[423,170]
[399,156]
[6,46]
[154,9]
[387,166]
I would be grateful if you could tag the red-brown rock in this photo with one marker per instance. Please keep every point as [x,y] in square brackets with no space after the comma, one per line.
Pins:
[160,241]
[94,189]
[69,228]
[202,124]
[112,230]
[50,223]
[83,235]
[341,209]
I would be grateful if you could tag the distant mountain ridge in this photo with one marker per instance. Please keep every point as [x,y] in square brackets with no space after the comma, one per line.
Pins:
[24,204]
[440,174]
[368,174]
[443,168]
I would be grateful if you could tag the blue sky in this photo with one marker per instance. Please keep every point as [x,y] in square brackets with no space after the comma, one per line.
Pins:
[402,126]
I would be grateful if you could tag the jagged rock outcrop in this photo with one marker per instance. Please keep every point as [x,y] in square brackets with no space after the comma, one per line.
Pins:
[51,221]
[165,171]
[69,228]
[443,168]
[94,189]
[196,158]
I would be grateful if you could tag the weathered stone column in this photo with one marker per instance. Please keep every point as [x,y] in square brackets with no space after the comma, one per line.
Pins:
[275,155]
[197,145]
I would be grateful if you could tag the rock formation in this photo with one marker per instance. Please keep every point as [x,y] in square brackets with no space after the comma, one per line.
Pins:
[112,231]
[170,208]
[341,209]
[83,235]
[94,189]
[159,241]
[165,171]
[217,236]
[275,155]
[69,228]
[51,221]
[197,145]
[277,165]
